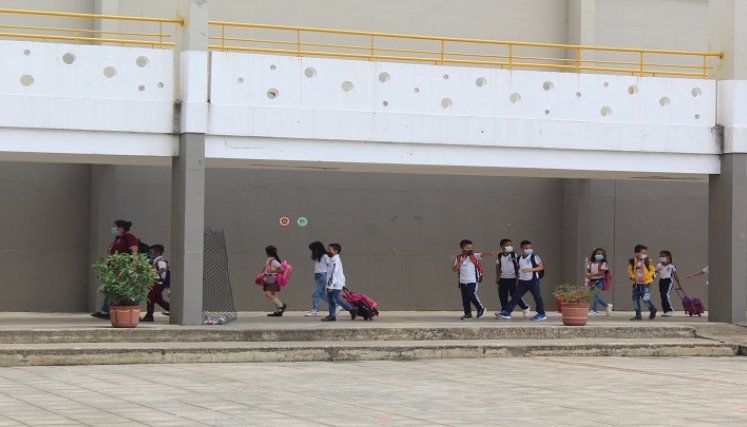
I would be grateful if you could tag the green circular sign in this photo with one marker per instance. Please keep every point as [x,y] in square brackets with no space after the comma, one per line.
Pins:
[302,221]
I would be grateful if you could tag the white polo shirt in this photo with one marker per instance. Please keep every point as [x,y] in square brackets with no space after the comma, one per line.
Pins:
[666,271]
[508,269]
[467,273]
[525,261]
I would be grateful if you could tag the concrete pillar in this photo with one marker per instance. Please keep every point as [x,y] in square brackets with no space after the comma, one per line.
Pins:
[727,32]
[103,212]
[581,26]
[188,169]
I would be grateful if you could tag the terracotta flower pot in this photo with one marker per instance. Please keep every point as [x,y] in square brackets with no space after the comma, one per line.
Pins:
[125,316]
[559,304]
[575,314]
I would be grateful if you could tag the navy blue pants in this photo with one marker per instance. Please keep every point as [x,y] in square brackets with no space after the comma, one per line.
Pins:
[469,296]
[525,286]
[506,288]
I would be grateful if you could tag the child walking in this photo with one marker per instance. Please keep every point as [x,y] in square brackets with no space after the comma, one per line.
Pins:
[270,286]
[321,260]
[667,272]
[641,274]
[335,284]
[530,272]
[163,280]
[507,275]
[596,269]
[467,265]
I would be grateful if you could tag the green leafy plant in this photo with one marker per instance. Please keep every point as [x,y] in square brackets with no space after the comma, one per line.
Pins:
[573,294]
[126,279]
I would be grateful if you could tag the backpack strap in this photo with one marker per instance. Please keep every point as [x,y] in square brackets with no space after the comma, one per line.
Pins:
[478,266]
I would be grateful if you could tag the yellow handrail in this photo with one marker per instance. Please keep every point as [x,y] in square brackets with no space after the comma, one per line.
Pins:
[442,55]
[74,34]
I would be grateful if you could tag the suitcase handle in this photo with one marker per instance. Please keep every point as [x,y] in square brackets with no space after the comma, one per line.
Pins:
[681,292]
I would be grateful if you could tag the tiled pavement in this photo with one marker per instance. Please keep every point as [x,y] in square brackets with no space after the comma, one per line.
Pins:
[458,392]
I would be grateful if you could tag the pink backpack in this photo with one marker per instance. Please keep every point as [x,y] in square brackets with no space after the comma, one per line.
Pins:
[284,277]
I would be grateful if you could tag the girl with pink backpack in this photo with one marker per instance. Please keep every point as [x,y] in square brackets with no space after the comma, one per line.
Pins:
[274,274]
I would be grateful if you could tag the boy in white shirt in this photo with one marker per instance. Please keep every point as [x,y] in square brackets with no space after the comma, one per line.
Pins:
[530,272]
[668,275]
[467,264]
[507,275]
[335,283]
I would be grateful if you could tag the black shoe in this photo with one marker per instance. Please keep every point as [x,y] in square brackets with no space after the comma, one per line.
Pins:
[353,313]
[466,316]
[480,312]
[100,315]
[147,319]
[275,314]
[637,317]
[329,319]
[652,314]
[282,309]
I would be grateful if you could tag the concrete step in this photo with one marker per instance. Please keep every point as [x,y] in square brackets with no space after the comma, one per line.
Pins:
[341,331]
[230,352]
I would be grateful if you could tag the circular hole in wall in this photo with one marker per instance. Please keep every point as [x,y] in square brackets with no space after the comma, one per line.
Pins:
[481,82]
[27,52]
[141,88]
[606,84]
[547,112]
[664,101]
[385,103]
[240,80]
[160,85]
[515,98]
[578,94]
[347,86]
[68,58]
[272,93]
[697,117]
[141,61]
[273,67]
[446,102]
[696,92]
[27,79]
[446,77]
[309,72]
[632,89]
[605,111]
[383,77]
[548,85]
[416,90]
[110,72]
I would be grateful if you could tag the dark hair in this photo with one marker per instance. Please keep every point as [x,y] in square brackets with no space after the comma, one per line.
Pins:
[272,251]
[504,241]
[317,250]
[524,243]
[336,247]
[593,254]
[639,247]
[158,248]
[464,243]
[124,224]
[666,254]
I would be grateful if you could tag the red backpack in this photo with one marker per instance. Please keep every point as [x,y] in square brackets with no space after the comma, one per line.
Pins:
[478,267]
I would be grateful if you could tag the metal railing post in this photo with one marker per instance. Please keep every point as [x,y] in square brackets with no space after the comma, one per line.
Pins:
[510,56]
[578,60]
[640,64]
[371,56]
[705,66]
[223,37]
[298,42]
[443,42]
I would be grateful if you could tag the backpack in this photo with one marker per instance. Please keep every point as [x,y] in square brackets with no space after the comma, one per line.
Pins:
[478,267]
[284,276]
[166,282]
[607,281]
[540,274]
[514,259]
[142,248]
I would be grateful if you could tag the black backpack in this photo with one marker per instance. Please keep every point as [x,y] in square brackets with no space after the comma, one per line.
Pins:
[540,274]
[142,248]
[514,260]
[167,278]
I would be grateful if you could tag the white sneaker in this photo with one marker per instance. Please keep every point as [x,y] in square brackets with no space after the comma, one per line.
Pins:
[592,313]
[609,309]
[527,312]
[312,313]
[668,314]
[339,309]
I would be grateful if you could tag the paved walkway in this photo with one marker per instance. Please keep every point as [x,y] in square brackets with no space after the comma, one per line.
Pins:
[457,392]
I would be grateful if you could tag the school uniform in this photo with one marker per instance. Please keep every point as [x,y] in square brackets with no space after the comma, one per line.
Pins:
[528,282]
[666,282]
[469,283]
[508,268]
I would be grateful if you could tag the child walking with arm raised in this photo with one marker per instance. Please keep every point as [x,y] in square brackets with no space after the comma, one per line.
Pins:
[467,265]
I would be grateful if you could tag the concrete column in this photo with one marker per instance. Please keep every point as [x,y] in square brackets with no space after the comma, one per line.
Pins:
[581,26]
[103,212]
[727,240]
[188,169]
[727,32]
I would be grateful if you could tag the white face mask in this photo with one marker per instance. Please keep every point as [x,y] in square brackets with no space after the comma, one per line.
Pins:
[644,256]
[663,259]
[528,251]
[509,249]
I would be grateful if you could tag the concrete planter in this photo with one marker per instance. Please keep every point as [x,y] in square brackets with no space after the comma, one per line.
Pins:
[575,314]
[124,316]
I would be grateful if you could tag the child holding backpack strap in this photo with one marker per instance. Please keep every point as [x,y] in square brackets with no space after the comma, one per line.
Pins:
[507,275]
[531,270]
[467,265]
[641,272]
[597,270]
[270,285]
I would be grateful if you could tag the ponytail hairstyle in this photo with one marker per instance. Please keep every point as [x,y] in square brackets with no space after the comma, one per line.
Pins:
[124,224]
[593,258]
[272,252]
[317,250]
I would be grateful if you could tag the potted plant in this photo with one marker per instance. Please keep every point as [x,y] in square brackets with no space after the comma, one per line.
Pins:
[126,280]
[575,300]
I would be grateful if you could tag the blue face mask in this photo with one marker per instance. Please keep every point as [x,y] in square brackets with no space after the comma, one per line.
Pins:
[114,231]
[599,257]
[152,256]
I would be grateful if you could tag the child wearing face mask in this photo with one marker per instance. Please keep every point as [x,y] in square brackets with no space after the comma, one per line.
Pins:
[668,275]
[641,272]
[507,275]
[596,268]
[530,272]
[467,265]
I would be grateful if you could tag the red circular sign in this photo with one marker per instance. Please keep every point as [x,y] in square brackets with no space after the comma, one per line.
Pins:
[284,221]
